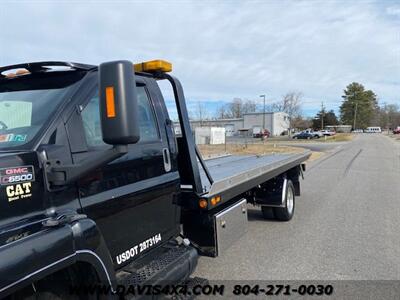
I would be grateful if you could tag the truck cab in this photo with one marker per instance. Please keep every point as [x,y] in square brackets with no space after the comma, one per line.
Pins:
[96,189]
[55,210]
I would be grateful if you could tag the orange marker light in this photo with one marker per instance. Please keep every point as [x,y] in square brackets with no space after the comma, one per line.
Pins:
[153,66]
[110,102]
[203,203]
[215,200]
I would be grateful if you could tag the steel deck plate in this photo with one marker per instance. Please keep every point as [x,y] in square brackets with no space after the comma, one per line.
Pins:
[229,171]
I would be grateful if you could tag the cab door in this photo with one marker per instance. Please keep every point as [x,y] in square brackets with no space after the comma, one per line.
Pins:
[132,199]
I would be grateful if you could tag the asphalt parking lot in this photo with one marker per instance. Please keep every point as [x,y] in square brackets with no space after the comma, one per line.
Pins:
[346,224]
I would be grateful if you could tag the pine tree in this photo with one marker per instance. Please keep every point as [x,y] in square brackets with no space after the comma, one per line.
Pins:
[328,116]
[358,106]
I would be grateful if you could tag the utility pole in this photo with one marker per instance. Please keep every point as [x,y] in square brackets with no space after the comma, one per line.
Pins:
[355,109]
[263,96]
[322,115]
[355,117]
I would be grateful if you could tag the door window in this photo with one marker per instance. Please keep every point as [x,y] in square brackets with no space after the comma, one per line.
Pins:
[147,120]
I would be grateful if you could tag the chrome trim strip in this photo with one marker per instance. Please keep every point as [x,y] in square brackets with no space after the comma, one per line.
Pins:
[102,264]
[57,262]
[129,189]
[186,186]
[284,192]
[36,272]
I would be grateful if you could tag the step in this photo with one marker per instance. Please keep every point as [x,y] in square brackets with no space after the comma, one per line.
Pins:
[168,264]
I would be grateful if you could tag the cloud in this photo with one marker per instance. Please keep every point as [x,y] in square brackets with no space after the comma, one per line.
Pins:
[221,50]
[393,10]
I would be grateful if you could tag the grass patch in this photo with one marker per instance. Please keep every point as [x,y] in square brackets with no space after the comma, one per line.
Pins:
[315,155]
[339,137]
[396,137]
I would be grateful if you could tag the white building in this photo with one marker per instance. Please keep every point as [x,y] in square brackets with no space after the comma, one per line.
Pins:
[339,128]
[276,123]
[209,135]
[231,125]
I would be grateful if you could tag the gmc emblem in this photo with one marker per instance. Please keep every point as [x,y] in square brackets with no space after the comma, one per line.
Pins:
[16,175]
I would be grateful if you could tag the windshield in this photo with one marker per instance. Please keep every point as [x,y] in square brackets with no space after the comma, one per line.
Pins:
[24,111]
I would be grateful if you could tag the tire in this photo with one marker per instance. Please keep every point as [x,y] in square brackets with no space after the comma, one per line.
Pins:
[52,296]
[54,293]
[267,212]
[56,286]
[286,213]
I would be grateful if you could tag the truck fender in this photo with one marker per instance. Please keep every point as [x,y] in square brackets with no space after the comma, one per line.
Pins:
[90,247]
[52,249]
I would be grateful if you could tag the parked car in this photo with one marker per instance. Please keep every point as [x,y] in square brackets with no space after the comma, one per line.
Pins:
[358,131]
[305,135]
[327,132]
[373,130]
[259,132]
[315,134]
[397,130]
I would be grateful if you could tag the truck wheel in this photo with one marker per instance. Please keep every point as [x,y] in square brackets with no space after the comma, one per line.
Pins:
[287,212]
[55,293]
[57,286]
[51,296]
[267,212]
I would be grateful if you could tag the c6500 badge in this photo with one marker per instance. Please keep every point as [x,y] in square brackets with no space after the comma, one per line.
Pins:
[17,175]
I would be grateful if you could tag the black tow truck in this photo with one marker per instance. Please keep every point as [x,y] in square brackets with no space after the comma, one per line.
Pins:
[95,188]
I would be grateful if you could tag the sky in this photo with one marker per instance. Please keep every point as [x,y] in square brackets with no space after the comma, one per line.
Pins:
[222,50]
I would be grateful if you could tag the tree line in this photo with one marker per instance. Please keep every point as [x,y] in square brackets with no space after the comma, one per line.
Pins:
[359,108]
[290,104]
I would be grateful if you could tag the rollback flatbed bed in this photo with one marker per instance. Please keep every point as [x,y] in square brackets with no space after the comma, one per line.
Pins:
[260,180]
[96,188]
[234,175]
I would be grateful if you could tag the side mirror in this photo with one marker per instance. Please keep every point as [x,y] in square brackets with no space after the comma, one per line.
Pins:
[118,103]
